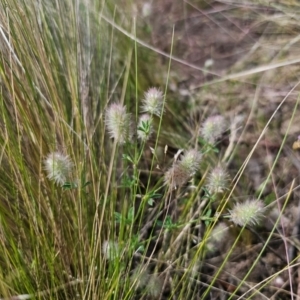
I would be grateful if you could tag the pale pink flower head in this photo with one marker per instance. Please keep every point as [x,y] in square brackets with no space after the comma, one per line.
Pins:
[118,123]
[153,102]
[58,167]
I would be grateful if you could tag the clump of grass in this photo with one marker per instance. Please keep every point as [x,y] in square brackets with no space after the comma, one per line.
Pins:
[121,221]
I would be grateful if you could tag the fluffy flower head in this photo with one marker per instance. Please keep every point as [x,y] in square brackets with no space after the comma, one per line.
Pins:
[182,170]
[154,286]
[218,235]
[217,180]
[58,167]
[191,160]
[144,127]
[118,123]
[248,213]
[212,128]
[110,250]
[153,102]
[177,176]
[140,277]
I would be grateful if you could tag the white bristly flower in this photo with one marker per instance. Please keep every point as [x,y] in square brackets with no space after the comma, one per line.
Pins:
[154,286]
[248,213]
[58,167]
[191,160]
[183,169]
[118,123]
[145,129]
[213,128]
[153,102]
[217,237]
[110,250]
[217,180]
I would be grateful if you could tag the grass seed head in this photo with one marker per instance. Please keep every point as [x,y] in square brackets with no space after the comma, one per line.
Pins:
[212,128]
[217,237]
[110,250]
[219,232]
[144,127]
[191,160]
[183,169]
[248,213]
[153,102]
[118,123]
[154,286]
[140,277]
[58,167]
[217,180]
[177,176]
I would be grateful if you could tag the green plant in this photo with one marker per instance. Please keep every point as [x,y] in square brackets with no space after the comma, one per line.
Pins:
[100,196]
